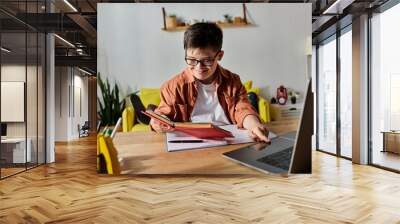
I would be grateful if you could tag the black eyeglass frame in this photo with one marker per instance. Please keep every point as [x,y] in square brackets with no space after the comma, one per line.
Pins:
[206,62]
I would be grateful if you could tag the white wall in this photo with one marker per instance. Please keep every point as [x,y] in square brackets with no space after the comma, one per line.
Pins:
[61,103]
[69,81]
[134,50]
[17,73]
[12,73]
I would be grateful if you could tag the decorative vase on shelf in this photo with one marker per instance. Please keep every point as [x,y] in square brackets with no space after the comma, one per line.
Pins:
[281,95]
[237,20]
[171,22]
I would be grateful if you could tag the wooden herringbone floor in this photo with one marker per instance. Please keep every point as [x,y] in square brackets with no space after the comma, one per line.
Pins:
[70,191]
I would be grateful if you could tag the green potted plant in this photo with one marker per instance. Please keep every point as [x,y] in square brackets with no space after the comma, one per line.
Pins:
[293,95]
[110,106]
[228,18]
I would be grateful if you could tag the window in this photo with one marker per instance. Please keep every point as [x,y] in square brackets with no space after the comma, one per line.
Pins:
[334,106]
[394,102]
[327,96]
[346,93]
[385,85]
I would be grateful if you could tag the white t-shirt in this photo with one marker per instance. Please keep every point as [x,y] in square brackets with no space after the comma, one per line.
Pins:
[207,107]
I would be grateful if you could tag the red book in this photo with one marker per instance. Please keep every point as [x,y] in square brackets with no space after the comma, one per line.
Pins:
[199,130]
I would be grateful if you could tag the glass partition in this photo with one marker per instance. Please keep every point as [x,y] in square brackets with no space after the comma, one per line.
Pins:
[22,77]
[327,96]
[13,94]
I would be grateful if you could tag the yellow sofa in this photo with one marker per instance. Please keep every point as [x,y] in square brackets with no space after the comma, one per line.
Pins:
[263,104]
[152,96]
[147,96]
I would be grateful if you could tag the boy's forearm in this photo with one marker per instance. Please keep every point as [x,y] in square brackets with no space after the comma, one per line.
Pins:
[250,121]
[243,108]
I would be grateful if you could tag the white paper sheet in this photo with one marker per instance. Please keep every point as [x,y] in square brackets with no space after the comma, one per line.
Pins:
[240,136]
[176,135]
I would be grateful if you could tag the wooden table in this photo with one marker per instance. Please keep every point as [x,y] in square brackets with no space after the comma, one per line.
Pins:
[391,141]
[145,153]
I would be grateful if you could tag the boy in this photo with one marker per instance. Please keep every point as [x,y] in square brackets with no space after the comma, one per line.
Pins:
[206,92]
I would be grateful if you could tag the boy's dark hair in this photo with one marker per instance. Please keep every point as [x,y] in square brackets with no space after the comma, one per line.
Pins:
[203,35]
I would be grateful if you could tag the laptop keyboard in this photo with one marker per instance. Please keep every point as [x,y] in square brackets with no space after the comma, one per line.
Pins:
[279,159]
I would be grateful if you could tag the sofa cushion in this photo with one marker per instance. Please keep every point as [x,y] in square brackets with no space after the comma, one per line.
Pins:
[150,96]
[248,85]
[128,118]
[141,127]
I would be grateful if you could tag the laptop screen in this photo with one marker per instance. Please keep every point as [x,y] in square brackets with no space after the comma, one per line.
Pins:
[301,158]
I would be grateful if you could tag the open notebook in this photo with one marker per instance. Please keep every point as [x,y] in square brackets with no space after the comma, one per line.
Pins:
[239,136]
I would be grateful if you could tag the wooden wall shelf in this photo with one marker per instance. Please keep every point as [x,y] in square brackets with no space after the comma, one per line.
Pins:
[222,25]
[243,23]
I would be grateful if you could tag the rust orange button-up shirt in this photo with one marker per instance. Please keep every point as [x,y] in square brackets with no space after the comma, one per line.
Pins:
[178,96]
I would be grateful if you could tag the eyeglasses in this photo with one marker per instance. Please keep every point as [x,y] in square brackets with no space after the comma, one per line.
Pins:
[206,62]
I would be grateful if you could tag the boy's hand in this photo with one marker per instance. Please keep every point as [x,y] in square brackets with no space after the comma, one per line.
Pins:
[160,127]
[259,133]
[257,130]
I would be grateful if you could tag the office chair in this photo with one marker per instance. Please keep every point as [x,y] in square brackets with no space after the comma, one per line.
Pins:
[84,130]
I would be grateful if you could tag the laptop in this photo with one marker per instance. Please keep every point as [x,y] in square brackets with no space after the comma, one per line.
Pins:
[286,154]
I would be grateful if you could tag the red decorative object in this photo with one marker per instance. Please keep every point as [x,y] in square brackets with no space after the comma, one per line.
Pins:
[281,95]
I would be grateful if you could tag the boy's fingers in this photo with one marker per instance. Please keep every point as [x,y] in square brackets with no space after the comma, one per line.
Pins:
[252,135]
[156,126]
[165,127]
[260,134]
[266,131]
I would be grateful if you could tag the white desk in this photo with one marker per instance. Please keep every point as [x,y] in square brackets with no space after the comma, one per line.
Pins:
[16,147]
[282,112]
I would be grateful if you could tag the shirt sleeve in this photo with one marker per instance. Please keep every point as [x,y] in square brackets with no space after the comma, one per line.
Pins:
[166,106]
[243,107]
